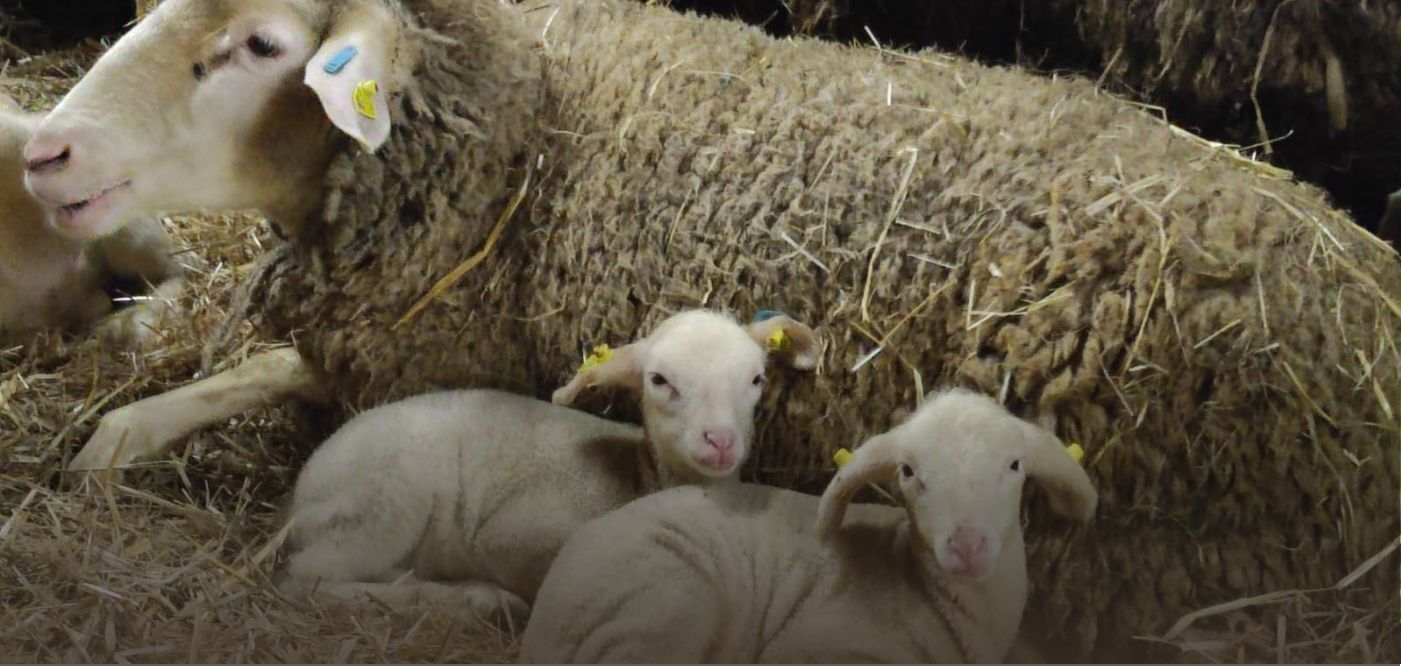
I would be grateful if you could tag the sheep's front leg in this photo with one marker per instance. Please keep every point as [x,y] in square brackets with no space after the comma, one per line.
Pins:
[146,428]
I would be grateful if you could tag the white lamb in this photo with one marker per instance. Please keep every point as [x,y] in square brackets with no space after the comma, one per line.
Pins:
[466,496]
[50,281]
[738,574]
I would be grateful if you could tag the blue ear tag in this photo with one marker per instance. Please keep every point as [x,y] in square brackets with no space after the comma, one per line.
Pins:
[340,59]
[765,315]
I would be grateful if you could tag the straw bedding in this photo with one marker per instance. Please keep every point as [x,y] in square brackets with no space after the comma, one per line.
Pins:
[1219,340]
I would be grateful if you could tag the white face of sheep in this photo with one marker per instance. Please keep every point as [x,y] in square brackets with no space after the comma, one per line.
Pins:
[213,105]
[960,462]
[700,375]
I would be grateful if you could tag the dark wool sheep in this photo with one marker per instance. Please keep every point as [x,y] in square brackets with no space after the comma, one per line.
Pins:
[1219,340]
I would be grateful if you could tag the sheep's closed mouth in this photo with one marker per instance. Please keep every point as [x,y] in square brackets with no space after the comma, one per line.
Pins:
[78,207]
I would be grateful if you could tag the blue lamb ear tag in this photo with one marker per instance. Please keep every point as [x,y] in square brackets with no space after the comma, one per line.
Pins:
[340,59]
[765,315]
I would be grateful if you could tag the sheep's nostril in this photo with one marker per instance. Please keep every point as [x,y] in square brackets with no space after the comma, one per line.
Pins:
[49,160]
[721,441]
[967,545]
[958,547]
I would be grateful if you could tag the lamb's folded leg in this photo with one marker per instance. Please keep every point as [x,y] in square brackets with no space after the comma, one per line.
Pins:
[146,428]
[489,601]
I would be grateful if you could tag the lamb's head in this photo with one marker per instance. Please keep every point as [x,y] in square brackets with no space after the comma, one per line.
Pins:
[218,104]
[700,375]
[961,460]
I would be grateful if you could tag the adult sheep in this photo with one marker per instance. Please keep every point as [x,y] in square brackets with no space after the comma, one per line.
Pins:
[1221,342]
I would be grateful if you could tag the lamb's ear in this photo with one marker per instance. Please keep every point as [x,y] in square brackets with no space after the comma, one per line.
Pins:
[605,367]
[781,335]
[353,70]
[1050,464]
[872,461]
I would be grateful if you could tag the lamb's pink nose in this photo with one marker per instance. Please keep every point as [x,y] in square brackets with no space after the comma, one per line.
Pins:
[46,153]
[721,440]
[971,549]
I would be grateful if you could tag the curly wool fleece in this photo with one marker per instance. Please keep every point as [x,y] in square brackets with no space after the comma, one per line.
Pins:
[1221,343]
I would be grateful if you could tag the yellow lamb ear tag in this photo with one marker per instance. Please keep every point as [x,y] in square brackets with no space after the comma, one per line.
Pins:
[841,457]
[601,354]
[365,98]
[778,340]
[1075,451]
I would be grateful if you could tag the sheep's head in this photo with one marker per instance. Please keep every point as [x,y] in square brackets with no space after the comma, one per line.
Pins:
[218,104]
[699,375]
[960,461]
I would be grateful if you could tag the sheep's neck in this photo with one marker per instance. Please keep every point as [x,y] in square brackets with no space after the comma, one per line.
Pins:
[650,474]
[977,613]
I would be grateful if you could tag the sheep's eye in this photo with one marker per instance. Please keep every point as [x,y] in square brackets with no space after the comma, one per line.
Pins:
[906,471]
[758,380]
[657,379]
[198,70]
[262,47]
[1017,465]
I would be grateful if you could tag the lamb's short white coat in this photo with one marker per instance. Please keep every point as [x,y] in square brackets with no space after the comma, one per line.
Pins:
[466,496]
[740,574]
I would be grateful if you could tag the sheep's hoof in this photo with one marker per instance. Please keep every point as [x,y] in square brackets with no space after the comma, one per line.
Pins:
[112,446]
[506,609]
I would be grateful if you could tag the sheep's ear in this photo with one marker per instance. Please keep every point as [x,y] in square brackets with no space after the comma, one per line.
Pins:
[873,461]
[1050,464]
[604,367]
[353,69]
[781,335]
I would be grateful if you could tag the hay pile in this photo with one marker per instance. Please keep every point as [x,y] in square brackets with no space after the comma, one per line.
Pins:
[172,565]
[1316,85]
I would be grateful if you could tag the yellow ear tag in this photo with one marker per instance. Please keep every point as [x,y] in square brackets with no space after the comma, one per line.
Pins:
[365,98]
[841,457]
[601,354]
[1075,451]
[778,340]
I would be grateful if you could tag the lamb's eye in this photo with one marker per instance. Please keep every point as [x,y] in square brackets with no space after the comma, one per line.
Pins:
[657,379]
[758,380]
[198,70]
[261,47]
[1017,465]
[906,471]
